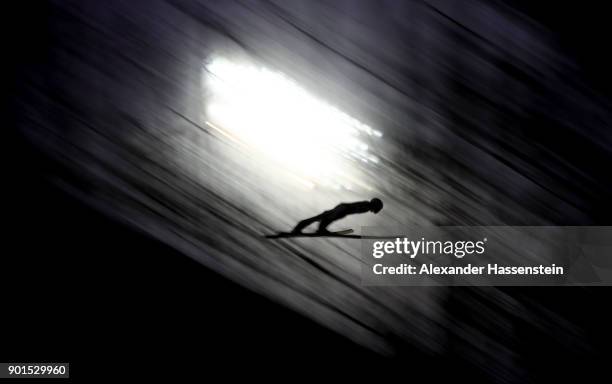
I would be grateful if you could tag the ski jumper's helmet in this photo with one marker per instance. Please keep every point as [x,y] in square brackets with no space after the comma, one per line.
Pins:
[376,204]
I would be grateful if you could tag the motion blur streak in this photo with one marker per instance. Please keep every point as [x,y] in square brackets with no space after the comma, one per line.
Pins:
[484,121]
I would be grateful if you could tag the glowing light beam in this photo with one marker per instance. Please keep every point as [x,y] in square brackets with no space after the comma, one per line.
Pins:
[276,118]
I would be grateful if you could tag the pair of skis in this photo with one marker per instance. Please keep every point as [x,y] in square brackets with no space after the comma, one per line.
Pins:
[346,233]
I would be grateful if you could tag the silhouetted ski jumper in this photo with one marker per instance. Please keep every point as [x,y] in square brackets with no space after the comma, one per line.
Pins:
[339,212]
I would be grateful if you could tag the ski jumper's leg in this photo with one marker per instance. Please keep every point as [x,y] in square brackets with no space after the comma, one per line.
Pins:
[324,223]
[329,217]
[304,223]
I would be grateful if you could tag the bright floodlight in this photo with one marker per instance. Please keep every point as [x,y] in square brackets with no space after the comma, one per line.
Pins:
[272,116]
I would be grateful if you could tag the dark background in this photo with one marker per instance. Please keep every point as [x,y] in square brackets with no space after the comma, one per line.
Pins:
[71,293]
